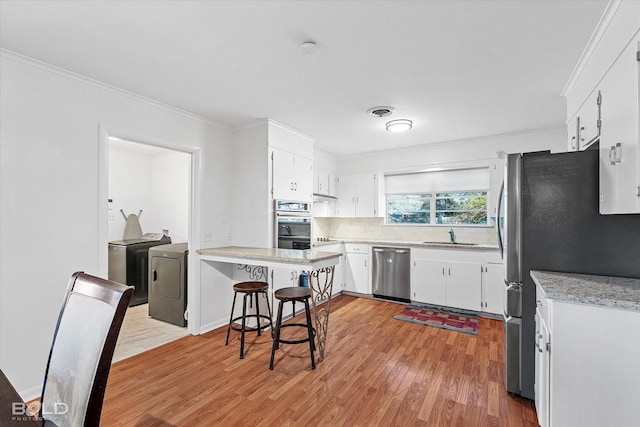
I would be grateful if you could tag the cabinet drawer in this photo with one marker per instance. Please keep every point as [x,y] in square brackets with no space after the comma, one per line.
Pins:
[357,248]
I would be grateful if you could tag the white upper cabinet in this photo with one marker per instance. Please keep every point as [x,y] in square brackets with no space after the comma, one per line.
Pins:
[589,121]
[292,176]
[619,161]
[324,183]
[603,97]
[356,195]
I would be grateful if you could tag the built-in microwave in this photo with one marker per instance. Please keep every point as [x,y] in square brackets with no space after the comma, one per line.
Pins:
[292,224]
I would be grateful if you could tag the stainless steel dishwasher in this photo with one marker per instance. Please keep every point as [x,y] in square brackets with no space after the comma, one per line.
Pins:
[391,273]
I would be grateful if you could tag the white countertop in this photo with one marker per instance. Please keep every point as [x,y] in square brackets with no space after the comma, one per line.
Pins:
[269,256]
[615,292]
[414,244]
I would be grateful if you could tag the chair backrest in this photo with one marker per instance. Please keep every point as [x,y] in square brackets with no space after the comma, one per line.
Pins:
[83,344]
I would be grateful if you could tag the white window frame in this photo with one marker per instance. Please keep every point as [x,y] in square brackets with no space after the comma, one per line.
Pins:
[438,188]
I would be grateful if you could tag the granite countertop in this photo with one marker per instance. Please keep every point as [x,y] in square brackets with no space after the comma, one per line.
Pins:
[414,244]
[270,254]
[615,292]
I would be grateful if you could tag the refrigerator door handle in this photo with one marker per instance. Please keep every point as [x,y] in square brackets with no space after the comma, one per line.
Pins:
[513,300]
[499,223]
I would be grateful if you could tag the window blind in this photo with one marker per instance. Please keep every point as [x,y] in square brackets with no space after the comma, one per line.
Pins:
[454,180]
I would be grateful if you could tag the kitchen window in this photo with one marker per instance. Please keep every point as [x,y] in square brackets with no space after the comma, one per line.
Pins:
[442,197]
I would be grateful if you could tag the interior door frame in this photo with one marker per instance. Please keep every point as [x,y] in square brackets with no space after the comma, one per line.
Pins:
[193,274]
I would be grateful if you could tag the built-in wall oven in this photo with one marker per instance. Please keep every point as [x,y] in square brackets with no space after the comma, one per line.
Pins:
[292,224]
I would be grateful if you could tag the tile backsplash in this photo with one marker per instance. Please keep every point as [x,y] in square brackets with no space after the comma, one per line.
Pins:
[375,229]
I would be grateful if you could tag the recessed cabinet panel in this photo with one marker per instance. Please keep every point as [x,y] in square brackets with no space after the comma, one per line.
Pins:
[428,281]
[619,156]
[356,196]
[292,176]
[464,285]
[493,288]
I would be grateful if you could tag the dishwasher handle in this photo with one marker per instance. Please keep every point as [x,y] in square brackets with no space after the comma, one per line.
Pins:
[394,250]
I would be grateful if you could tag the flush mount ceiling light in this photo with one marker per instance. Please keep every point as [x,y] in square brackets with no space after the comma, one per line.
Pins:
[381,111]
[400,125]
[308,47]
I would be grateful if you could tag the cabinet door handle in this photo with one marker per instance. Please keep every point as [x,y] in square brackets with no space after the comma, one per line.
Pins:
[357,199]
[573,140]
[582,133]
[443,271]
[618,152]
[365,262]
[295,186]
[449,271]
[612,159]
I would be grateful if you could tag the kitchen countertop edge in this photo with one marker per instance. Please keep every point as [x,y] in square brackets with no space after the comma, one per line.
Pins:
[413,244]
[271,254]
[605,291]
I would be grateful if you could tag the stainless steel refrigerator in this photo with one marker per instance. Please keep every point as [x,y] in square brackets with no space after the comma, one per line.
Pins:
[548,220]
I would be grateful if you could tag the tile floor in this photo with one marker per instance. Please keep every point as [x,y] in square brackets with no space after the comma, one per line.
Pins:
[140,333]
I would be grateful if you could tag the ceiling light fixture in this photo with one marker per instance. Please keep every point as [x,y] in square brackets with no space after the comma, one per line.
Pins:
[309,47]
[400,125]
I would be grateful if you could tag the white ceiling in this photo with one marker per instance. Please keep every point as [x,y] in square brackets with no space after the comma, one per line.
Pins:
[458,69]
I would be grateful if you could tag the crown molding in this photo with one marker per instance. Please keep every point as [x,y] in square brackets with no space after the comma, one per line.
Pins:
[601,28]
[14,56]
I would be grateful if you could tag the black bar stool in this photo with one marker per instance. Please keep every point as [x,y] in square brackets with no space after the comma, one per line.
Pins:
[293,294]
[249,289]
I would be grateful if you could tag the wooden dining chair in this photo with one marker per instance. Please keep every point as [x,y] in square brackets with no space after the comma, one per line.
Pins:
[83,344]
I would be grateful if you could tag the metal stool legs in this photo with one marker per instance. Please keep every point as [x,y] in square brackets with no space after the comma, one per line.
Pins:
[259,327]
[310,333]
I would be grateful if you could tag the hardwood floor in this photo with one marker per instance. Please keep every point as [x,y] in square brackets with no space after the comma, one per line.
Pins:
[376,371]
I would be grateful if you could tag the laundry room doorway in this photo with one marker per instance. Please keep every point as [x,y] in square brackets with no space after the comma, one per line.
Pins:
[149,207]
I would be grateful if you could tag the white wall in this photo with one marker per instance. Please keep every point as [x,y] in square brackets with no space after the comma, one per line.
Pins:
[129,188]
[154,180]
[53,220]
[170,173]
[468,150]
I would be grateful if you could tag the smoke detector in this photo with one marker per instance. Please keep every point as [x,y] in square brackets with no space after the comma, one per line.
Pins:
[380,111]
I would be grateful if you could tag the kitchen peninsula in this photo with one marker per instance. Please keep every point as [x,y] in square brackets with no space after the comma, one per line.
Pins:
[318,264]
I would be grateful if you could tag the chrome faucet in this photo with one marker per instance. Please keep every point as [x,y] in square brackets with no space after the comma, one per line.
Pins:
[453,236]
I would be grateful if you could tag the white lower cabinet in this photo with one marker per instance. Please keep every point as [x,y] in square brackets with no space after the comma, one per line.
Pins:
[339,269]
[283,278]
[428,281]
[586,364]
[542,359]
[358,267]
[448,277]
[464,285]
[493,288]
